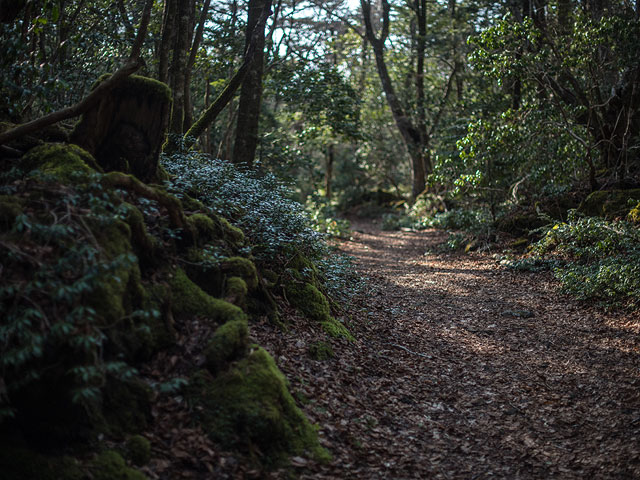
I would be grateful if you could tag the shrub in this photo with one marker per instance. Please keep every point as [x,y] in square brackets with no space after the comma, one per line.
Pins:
[595,258]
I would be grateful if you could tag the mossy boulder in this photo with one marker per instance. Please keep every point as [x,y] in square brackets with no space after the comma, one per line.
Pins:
[243,268]
[314,305]
[109,465]
[250,405]
[64,162]
[236,291]
[19,463]
[610,204]
[138,450]
[189,299]
[229,342]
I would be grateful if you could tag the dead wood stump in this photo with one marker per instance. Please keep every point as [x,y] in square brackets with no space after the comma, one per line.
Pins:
[126,130]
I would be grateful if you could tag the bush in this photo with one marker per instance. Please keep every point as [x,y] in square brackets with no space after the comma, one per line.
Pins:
[596,258]
[277,226]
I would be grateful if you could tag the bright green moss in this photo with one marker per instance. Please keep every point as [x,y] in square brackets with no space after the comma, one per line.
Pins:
[310,301]
[189,299]
[138,450]
[303,269]
[229,342]
[110,465]
[250,404]
[22,464]
[192,205]
[60,160]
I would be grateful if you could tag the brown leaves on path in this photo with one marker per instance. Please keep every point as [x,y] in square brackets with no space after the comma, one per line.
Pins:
[464,370]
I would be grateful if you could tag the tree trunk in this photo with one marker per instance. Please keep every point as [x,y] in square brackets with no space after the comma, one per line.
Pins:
[195,46]
[410,134]
[329,171]
[246,141]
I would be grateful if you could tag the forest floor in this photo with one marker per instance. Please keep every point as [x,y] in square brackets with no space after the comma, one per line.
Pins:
[462,369]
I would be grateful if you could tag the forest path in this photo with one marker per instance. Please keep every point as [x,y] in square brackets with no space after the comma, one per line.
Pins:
[465,370]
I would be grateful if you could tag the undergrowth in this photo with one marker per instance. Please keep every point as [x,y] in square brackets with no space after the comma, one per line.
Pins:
[277,226]
[593,258]
[52,265]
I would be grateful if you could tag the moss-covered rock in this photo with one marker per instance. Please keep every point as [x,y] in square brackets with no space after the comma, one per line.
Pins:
[229,342]
[138,450]
[189,299]
[109,465]
[236,291]
[610,204]
[204,226]
[250,404]
[321,351]
[24,464]
[242,268]
[310,301]
[65,162]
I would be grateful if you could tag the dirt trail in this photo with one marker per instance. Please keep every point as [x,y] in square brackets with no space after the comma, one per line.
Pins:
[465,370]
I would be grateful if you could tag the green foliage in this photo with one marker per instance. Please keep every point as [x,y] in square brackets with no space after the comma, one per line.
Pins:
[276,226]
[597,259]
[51,309]
[250,405]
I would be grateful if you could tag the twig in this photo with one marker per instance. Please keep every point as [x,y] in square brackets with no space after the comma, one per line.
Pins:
[409,351]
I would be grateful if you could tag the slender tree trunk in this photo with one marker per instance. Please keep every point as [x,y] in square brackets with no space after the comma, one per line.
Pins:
[179,67]
[246,141]
[329,171]
[195,46]
[410,134]
[168,39]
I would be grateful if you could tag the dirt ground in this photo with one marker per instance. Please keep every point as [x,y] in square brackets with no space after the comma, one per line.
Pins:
[465,370]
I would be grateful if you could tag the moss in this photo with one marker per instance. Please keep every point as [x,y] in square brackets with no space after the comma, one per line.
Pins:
[236,291]
[250,404]
[110,465]
[321,351]
[189,299]
[303,269]
[243,268]
[22,464]
[60,160]
[229,342]
[229,232]
[137,85]
[634,214]
[610,204]
[192,205]
[310,301]
[143,244]
[138,450]
[10,208]
[127,407]
[204,227]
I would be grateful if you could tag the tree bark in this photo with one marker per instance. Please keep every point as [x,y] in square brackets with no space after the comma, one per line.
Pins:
[409,132]
[246,141]
[195,46]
